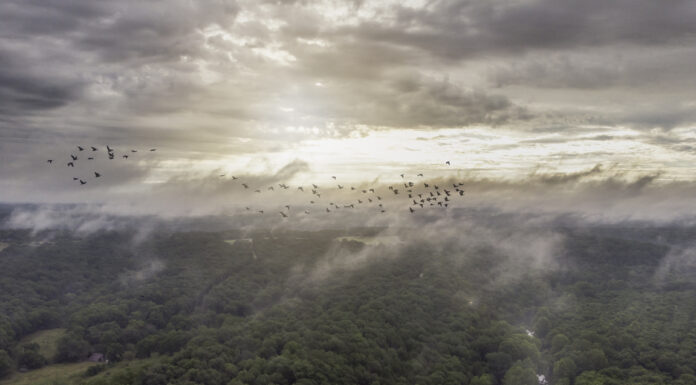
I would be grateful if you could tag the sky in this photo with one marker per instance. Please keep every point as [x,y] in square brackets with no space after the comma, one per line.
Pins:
[513,93]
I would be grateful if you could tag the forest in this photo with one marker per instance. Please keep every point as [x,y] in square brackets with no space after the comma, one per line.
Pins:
[305,307]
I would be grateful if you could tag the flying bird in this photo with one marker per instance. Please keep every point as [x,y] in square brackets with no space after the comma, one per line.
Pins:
[448,163]
[90,158]
[283,214]
[333,177]
[300,188]
[71,164]
[109,149]
[153,149]
[420,175]
[93,148]
[96,174]
[80,148]
[125,157]
[245,185]
[49,161]
[73,157]
[82,182]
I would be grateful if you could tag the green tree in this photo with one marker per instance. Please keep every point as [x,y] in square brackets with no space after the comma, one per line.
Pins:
[5,364]
[71,348]
[484,379]
[564,368]
[520,375]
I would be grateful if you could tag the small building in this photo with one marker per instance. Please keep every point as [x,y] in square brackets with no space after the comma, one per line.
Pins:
[96,357]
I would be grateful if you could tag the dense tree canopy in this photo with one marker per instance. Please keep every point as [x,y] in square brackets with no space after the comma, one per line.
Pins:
[294,308]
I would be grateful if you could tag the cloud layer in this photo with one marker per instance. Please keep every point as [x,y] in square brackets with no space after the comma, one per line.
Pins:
[244,86]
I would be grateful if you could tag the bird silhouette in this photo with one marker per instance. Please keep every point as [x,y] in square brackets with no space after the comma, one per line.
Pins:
[287,207]
[283,214]
[93,148]
[402,176]
[245,185]
[80,148]
[300,188]
[109,149]
[71,164]
[340,187]
[73,157]
[420,175]
[334,177]
[410,208]
[260,211]
[234,177]
[82,182]
[49,161]
[153,149]
[134,150]
[90,158]
[96,174]
[125,157]
[448,163]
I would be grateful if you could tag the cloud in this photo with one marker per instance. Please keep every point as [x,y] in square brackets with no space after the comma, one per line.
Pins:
[212,80]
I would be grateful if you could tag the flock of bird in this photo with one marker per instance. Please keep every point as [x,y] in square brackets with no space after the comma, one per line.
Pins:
[110,152]
[419,194]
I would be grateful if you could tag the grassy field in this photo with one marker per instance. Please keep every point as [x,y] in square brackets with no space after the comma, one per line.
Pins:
[71,374]
[50,375]
[134,365]
[47,340]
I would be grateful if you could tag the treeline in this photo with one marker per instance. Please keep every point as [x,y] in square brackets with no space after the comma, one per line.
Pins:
[308,311]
